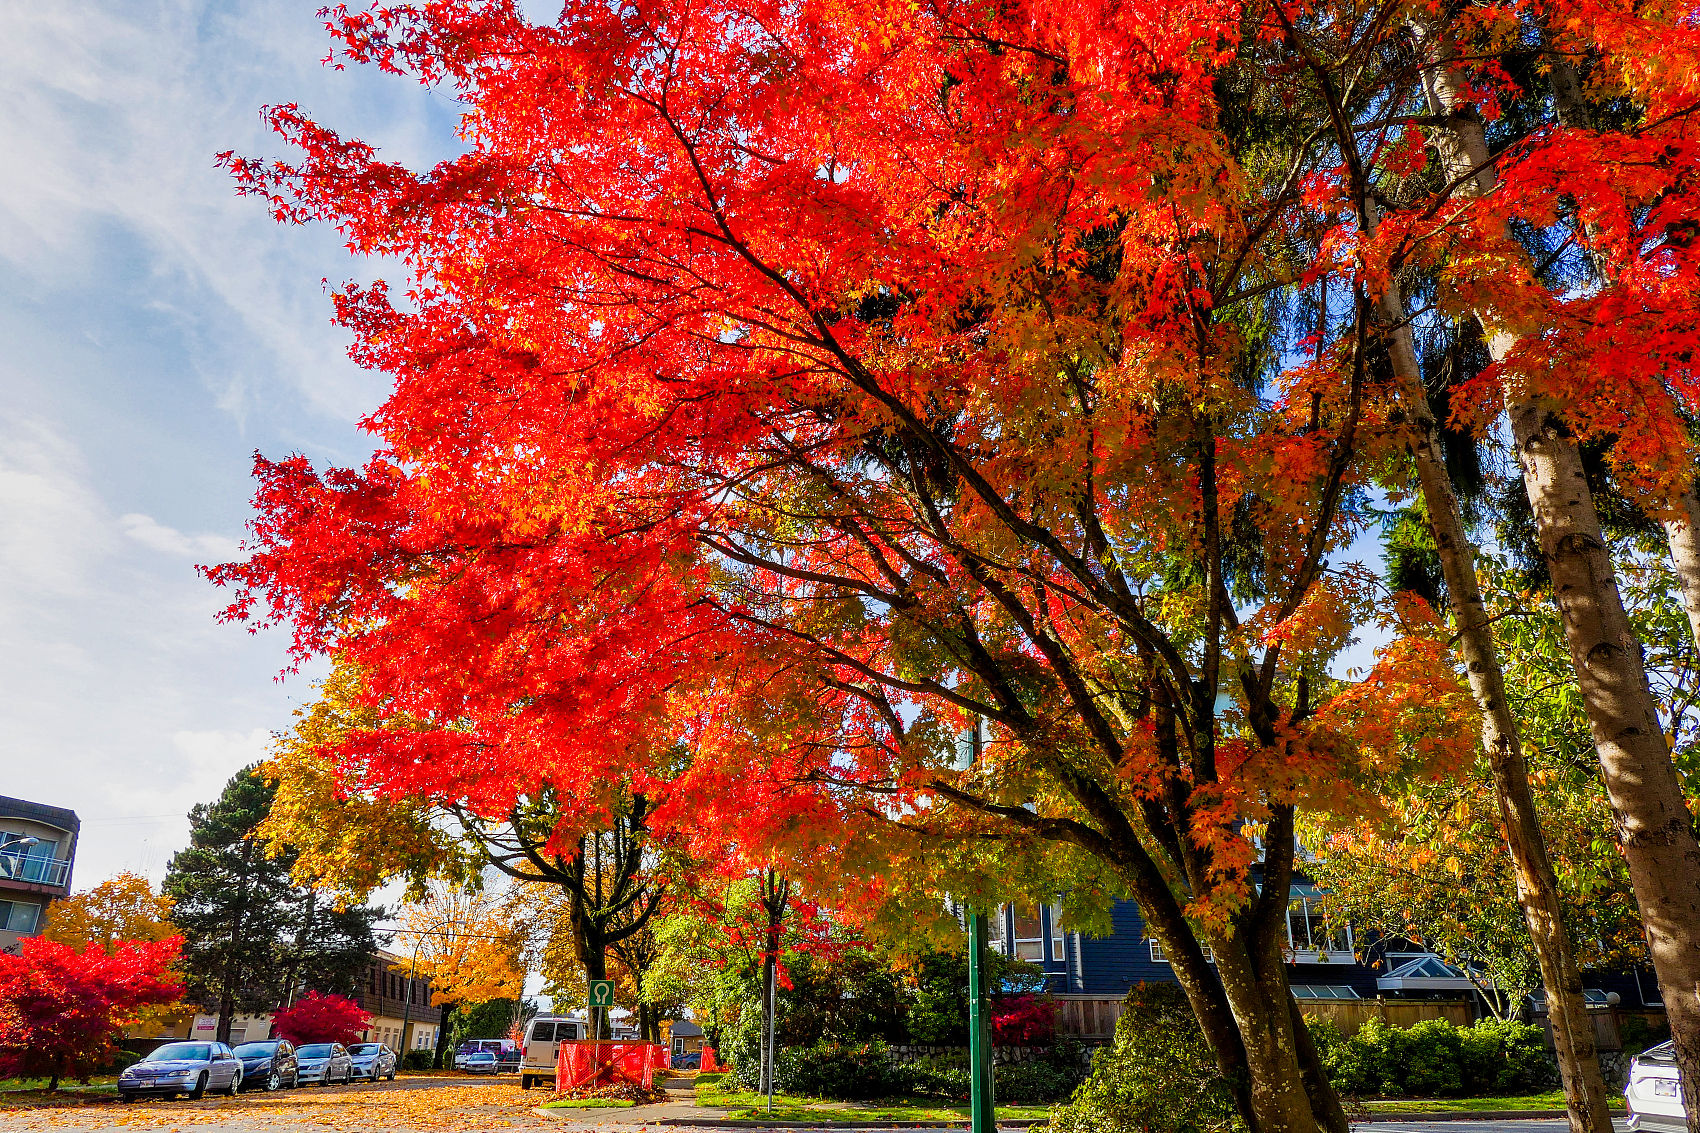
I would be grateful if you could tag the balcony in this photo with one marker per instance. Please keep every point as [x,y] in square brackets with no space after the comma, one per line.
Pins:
[34,870]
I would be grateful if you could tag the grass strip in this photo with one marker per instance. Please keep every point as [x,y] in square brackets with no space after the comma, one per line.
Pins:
[588,1103]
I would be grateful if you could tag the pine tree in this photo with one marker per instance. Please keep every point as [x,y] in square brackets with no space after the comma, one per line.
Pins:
[252,940]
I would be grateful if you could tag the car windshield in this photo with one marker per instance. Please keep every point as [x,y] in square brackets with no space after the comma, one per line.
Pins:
[179,1052]
[366,1048]
[249,1050]
[480,1054]
[317,1050]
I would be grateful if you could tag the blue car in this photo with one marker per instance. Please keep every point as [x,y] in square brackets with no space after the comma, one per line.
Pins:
[182,1068]
[268,1065]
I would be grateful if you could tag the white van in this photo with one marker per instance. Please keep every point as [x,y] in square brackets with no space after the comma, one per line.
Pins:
[543,1036]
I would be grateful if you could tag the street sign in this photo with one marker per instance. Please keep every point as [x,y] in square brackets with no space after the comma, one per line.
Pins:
[602,993]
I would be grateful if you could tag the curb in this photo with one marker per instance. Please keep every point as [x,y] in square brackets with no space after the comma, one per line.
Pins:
[1463,1115]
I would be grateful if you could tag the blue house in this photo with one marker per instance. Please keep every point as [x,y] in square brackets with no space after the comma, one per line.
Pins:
[1323,962]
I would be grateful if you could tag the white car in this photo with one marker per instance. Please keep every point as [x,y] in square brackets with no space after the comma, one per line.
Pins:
[1655,1101]
[543,1038]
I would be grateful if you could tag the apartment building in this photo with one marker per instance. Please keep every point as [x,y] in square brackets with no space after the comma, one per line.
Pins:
[37,846]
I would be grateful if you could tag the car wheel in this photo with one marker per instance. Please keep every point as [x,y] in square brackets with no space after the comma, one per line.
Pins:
[235,1086]
[525,1081]
[200,1090]
[126,1096]
[274,1081]
[324,1079]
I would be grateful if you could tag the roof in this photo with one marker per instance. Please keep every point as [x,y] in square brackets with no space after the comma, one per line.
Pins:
[54,816]
[685,1029]
[1325,991]
[1427,973]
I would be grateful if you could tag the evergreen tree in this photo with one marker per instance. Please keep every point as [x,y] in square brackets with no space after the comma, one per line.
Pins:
[252,940]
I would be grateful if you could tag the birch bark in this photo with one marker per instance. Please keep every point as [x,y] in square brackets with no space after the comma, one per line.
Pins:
[1655,829]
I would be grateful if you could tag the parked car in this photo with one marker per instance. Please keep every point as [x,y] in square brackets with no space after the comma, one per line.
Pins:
[1655,1102]
[503,1049]
[478,1062]
[373,1061]
[190,1068]
[509,1058]
[325,1063]
[268,1065]
[690,1060]
[543,1036]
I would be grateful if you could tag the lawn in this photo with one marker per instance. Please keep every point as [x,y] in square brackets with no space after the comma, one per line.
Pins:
[588,1103]
[1552,1099]
[787,1107]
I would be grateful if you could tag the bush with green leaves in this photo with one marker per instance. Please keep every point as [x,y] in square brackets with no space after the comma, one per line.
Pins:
[1505,1057]
[841,1071]
[1036,1082]
[1434,1058]
[1157,1076]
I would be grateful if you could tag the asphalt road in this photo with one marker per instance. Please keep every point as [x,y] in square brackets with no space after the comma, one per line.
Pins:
[1467,1127]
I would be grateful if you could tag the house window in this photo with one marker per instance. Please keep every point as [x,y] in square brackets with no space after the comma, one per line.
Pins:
[19,916]
[1158,956]
[1029,935]
[1308,927]
[1057,953]
[995,940]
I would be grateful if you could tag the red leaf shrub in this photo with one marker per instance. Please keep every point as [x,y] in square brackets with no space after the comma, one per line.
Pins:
[61,1008]
[1024,1020]
[316,1018]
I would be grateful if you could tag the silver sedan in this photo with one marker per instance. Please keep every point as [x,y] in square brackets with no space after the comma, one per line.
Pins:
[328,1064]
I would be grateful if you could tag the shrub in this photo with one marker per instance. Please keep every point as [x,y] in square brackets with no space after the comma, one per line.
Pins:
[1032,1083]
[418,1059]
[1024,1020]
[1431,1064]
[1156,1077]
[941,1075]
[841,1071]
[1434,1058]
[1504,1057]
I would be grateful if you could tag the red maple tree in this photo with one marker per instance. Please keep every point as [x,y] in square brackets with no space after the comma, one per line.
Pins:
[61,1008]
[316,1018]
[784,392]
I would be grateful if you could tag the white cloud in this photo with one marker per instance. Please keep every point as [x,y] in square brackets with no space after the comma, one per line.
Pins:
[149,532]
[50,522]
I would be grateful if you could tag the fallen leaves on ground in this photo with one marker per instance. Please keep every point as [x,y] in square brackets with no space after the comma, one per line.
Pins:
[420,1103]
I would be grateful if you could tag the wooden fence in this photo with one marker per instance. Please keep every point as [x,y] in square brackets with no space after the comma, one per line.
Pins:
[1350,1014]
[1089,1017]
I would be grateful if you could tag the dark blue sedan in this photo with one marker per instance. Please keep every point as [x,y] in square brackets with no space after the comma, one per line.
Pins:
[268,1065]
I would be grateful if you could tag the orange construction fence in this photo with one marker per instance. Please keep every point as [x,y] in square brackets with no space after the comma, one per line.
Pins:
[709,1065]
[595,1063]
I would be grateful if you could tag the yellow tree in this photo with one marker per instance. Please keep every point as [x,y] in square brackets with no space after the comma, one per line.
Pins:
[468,943]
[123,907]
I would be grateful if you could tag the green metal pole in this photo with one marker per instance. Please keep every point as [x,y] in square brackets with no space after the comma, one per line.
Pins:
[981,1105]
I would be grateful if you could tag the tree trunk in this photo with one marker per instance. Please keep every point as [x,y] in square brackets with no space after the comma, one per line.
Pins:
[1683,531]
[1254,983]
[1655,828]
[1537,882]
[437,1058]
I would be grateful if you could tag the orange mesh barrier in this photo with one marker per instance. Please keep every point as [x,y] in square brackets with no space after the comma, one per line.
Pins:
[595,1064]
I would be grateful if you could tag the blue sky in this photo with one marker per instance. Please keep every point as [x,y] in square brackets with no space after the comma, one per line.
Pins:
[156,331]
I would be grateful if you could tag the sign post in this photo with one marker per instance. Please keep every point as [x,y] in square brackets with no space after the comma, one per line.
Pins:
[601,997]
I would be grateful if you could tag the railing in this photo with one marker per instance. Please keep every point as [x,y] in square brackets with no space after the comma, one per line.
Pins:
[40,871]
